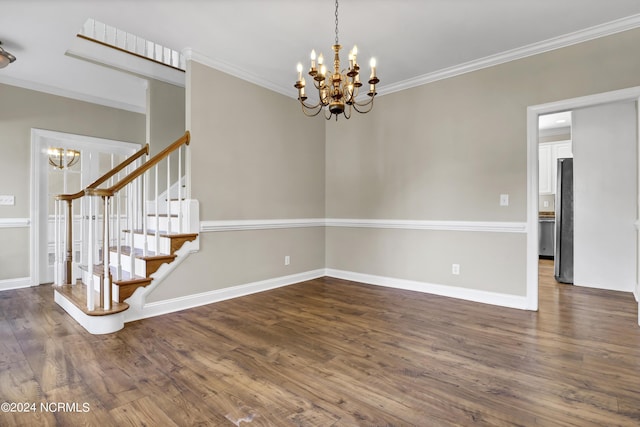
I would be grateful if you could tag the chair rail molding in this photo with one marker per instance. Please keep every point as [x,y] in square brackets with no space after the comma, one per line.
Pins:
[15,222]
[265,224]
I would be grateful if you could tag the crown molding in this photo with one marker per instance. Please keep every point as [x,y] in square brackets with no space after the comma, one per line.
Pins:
[602,30]
[192,55]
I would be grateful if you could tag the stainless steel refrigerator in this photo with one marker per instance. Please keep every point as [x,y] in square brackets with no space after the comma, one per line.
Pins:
[563,260]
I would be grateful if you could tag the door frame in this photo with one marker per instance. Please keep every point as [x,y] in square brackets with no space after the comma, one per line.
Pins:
[628,94]
[40,140]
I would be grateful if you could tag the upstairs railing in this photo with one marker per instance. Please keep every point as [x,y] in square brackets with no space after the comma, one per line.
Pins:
[111,225]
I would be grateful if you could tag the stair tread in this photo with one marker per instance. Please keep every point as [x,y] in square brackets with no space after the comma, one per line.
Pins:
[98,270]
[163,215]
[139,253]
[77,294]
[163,233]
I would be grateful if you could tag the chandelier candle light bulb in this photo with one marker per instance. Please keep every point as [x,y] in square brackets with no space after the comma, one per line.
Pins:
[337,92]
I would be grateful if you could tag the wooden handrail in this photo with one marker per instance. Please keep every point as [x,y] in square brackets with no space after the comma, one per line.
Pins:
[106,176]
[108,192]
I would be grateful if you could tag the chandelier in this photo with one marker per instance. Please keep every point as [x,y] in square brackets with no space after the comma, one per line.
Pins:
[61,158]
[5,57]
[337,91]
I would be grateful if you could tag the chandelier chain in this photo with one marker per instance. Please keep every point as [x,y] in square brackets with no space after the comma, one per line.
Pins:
[337,22]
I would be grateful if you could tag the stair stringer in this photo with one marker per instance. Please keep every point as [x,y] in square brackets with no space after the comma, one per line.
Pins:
[137,300]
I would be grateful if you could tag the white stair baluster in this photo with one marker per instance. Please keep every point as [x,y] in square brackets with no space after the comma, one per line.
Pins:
[118,232]
[132,264]
[157,226]
[90,242]
[56,244]
[145,246]
[179,189]
[82,230]
[106,278]
[113,217]
[169,194]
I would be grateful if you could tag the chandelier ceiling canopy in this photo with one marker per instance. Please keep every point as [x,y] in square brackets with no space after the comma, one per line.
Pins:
[337,90]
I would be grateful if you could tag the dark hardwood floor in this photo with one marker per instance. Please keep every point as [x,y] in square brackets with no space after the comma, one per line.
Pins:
[329,353]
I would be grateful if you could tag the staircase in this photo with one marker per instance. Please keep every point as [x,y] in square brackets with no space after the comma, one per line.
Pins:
[129,239]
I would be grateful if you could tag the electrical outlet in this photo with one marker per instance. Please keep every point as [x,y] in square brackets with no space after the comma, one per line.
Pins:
[455,269]
[287,260]
[7,200]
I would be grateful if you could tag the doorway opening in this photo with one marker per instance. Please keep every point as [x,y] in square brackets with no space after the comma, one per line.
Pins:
[536,203]
[63,163]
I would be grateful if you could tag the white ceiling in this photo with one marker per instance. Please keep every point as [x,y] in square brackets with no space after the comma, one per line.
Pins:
[264,40]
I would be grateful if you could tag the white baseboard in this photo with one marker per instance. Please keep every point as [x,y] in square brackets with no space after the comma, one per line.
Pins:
[493,298]
[18,283]
[204,298]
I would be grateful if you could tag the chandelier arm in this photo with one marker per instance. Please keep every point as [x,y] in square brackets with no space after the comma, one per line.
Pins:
[308,106]
[352,99]
[369,104]
[317,85]
[310,111]
[346,116]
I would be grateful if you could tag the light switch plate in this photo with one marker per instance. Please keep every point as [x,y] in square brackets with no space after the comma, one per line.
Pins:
[7,200]
[504,200]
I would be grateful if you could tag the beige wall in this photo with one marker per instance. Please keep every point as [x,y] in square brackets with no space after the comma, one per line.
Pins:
[165,114]
[233,258]
[23,109]
[165,124]
[253,156]
[446,151]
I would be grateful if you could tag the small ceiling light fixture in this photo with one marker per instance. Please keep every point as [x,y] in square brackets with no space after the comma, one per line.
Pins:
[338,91]
[63,157]
[5,57]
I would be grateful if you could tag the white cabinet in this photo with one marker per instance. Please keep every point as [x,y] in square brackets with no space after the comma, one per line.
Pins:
[548,155]
[544,165]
